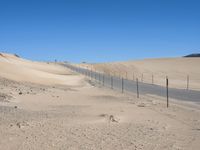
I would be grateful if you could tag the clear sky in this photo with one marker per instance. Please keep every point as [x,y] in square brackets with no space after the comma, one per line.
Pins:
[99,30]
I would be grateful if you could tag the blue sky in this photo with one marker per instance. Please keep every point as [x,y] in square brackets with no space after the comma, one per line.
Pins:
[99,30]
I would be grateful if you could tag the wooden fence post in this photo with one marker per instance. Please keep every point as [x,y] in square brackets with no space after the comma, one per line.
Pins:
[103,80]
[99,79]
[111,82]
[167,88]
[122,85]
[137,88]
[91,73]
[188,80]
[142,77]
[152,79]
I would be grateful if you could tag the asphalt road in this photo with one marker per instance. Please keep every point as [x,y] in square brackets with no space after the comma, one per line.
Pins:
[144,88]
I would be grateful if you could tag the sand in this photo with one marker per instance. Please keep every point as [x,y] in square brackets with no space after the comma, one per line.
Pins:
[19,69]
[177,70]
[81,114]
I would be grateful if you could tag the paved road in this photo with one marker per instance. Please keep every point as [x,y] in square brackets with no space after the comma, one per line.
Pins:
[144,88]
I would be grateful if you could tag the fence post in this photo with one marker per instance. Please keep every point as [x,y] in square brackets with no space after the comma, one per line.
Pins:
[95,75]
[103,79]
[122,85]
[86,71]
[111,82]
[167,88]
[188,80]
[137,88]
[152,79]
[91,73]
[99,79]
[142,77]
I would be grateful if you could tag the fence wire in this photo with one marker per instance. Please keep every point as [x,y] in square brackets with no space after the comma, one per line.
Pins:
[126,85]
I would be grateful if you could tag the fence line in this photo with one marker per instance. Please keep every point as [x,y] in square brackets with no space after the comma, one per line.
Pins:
[134,86]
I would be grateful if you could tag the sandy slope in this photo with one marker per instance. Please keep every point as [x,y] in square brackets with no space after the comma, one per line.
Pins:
[19,69]
[177,70]
[60,117]
[83,116]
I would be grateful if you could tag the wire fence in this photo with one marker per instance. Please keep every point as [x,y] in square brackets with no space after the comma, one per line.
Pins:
[138,87]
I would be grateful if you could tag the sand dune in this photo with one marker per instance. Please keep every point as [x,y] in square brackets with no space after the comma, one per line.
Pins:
[177,70]
[18,69]
[45,106]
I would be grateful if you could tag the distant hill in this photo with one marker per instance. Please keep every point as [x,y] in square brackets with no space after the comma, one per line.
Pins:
[193,55]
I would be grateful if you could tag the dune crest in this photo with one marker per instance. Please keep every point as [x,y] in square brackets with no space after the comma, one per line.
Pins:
[177,70]
[18,69]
